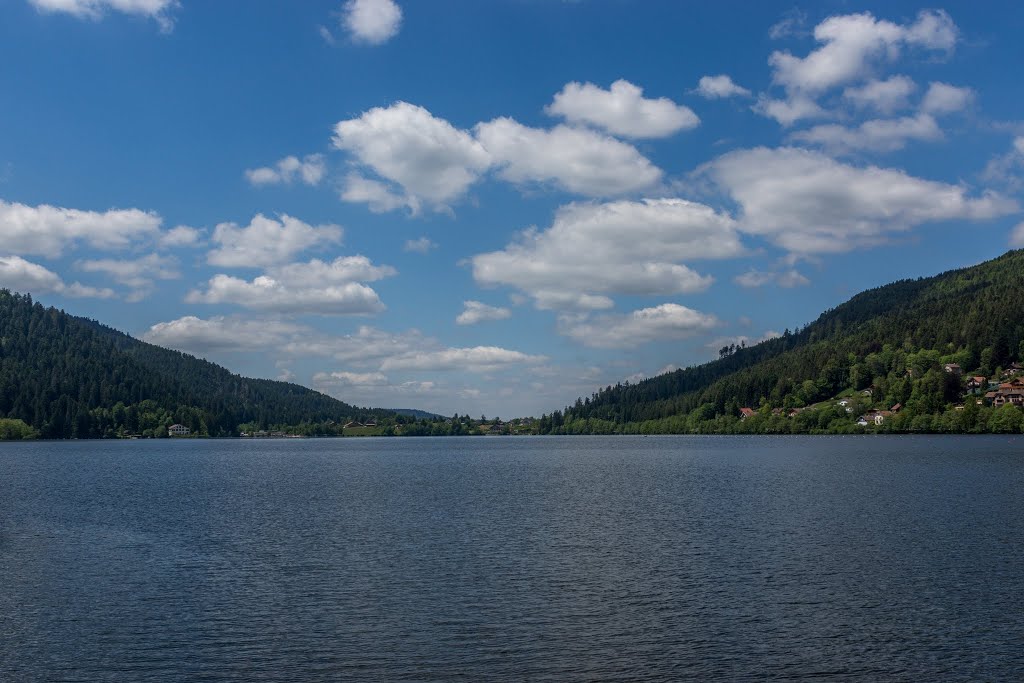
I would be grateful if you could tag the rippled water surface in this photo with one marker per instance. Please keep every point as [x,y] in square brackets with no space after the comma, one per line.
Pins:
[588,558]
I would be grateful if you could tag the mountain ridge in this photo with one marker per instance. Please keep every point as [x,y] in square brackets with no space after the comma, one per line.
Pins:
[972,317]
[72,377]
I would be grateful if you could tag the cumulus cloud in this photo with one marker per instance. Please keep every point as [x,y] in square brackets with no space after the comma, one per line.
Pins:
[24,276]
[427,157]
[659,323]
[943,98]
[876,135]
[622,247]
[180,236]
[470,359]
[333,288]
[573,159]
[789,111]
[1017,237]
[139,273]
[48,230]
[378,197]
[420,245]
[720,86]
[741,340]
[201,336]
[355,379]
[759,278]
[266,241]
[1005,170]
[310,170]
[372,21]
[851,44]
[367,346]
[475,311]
[884,96]
[159,10]
[809,203]
[339,271]
[264,293]
[621,110]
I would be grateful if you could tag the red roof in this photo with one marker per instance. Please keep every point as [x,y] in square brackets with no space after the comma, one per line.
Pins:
[747,412]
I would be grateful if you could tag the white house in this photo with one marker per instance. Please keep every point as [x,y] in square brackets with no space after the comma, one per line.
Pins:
[178,430]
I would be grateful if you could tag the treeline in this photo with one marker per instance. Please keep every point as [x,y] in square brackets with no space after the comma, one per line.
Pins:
[891,339]
[69,377]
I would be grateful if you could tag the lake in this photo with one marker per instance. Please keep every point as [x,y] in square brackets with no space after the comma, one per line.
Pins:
[497,559]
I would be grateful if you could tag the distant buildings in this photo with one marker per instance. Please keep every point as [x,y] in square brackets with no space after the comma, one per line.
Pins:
[178,430]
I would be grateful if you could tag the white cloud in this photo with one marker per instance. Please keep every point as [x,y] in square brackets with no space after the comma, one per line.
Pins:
[1017,237]
[741,340]
[877,135]
[199,336]
[24,276]
[341,270]
[368,346]
[943,98]
[476,311]
[376,195]
[353,379]
[791,24]
[470,359]
[372,21]
[310,170]
[576,160]
[158,10]
[851,44]
[720,86]
[420,245]
[809,203]
[48,230]
[1004,170]
[138,273]
[427,157]
[789,111]
[759,278]
[266,294]
[614,331]
[180,236]
[266,241]
[886,96]
[621,110]
[327,288]
[314,287]
[621,247]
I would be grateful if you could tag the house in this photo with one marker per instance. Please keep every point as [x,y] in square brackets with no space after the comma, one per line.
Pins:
[353,424]
[866,392]
[747,412]
[896,408]
[178,430]
[953,368]
[975,383]
[845,402]
[794,412]
[863,421]
[371,423]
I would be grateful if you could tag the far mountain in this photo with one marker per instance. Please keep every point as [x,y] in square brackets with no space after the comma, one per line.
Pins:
[909,356]
[71,377]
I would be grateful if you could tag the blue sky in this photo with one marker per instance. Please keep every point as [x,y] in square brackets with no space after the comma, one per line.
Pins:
[495,207]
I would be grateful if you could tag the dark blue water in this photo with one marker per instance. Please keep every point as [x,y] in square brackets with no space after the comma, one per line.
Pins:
[587,558]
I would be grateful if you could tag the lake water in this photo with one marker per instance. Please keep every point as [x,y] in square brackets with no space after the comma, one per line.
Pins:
[562,559]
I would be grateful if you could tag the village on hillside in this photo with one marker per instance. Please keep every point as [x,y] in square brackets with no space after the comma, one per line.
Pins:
[1005,389]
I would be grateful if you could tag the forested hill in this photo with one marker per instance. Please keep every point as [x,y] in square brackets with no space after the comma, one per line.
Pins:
[69,377]
[891,343]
